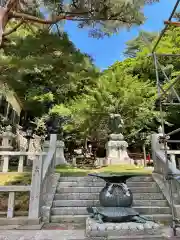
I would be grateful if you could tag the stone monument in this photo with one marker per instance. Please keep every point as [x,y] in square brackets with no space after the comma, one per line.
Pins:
[116,147]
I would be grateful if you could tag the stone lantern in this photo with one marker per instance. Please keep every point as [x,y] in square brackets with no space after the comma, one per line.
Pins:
[7,140]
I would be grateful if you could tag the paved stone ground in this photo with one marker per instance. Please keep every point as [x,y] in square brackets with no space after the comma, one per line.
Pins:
[42,235]
[56,232]
[48,226]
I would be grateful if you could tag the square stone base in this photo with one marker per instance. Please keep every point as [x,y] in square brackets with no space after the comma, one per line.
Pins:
[95,229]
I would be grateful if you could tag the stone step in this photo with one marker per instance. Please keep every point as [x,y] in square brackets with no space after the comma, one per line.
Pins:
[140,237]
[83,211]
[102,184]
[163,218]
[87,203]
[148,189]
[68,218]
[146,178]
[95,196]
[152,210]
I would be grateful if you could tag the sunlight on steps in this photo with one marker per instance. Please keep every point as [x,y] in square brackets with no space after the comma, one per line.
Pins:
[69,170]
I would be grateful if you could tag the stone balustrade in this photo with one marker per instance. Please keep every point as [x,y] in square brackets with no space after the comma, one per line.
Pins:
[7,147]
[166,172]
[21,158]
[41,188]
[11,199]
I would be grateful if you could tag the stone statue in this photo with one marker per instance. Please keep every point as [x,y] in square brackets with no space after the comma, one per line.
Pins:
[116,123]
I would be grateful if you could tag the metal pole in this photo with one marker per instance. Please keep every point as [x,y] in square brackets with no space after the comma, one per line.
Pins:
[173,132]
[167,175]
[172,206]
[168,80]
[158,89]
[161,111]
[144,152]
[166,27]
[165,55]
[173,141]
[171,85]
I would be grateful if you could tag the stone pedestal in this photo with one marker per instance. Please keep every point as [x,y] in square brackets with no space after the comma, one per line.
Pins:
[108,230]
[116,150]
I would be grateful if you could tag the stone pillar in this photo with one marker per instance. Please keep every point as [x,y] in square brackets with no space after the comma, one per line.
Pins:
[157,148]
[116,150]
[60,159]
[7,138]
[173,162]
[34,203]
[46,146]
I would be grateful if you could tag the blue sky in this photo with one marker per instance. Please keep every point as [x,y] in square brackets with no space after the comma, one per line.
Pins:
[108,50]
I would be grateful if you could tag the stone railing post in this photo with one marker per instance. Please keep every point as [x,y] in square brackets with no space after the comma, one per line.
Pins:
[34,205]
[60,159]
[173,162]
[7,138]
[154,147]
[46,146]
[157,146]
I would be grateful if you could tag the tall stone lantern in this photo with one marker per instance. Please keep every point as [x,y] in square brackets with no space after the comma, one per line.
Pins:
[7,139]
[116,147]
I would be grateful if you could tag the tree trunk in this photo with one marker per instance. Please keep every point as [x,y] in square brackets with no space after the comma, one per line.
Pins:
[3,21]
[4,16]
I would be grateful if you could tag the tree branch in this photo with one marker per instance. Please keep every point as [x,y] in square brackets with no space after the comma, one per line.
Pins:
[13,29]
[27,17]
[65,16]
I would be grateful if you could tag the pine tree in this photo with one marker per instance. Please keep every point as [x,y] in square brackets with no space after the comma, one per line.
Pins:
[102,17]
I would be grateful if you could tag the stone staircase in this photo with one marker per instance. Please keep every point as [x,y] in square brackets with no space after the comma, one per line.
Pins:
[74,194]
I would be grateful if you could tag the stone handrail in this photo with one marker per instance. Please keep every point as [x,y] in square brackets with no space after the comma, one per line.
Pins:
[43,168]
[11,199]
[163,166]
[6,159]
[41,184]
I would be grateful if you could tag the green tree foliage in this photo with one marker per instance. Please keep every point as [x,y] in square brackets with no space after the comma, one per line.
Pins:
[137,44]
[55,79]
[143,65]
[101,17]
[46,71]
[116,92]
